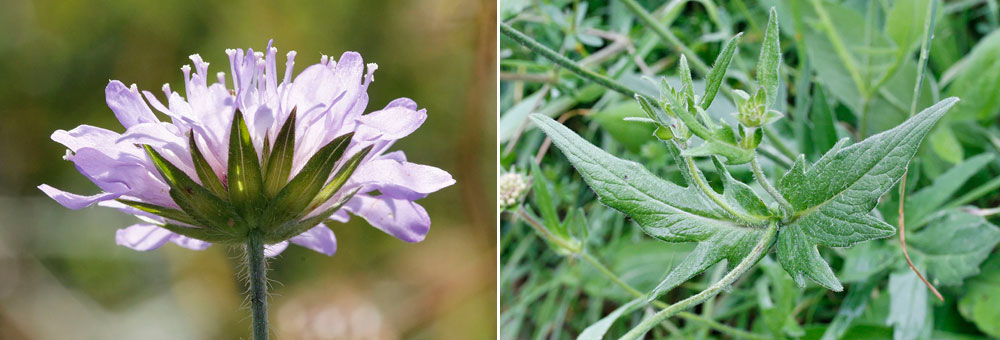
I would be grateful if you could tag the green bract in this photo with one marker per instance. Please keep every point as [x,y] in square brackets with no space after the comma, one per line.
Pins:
[254,196]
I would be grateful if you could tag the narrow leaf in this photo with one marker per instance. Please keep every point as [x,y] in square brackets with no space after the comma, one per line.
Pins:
[601,327]
[718,73]
[543,200]
[205,172]
[769,63]
[293,199]
[833,198]
[245,183]
[279,161]
[686,82]
[207,209]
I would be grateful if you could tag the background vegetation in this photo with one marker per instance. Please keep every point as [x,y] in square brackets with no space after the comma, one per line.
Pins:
[63,277]
[850,70]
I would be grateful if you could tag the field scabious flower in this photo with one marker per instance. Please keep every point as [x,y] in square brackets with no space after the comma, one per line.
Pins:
[276,156]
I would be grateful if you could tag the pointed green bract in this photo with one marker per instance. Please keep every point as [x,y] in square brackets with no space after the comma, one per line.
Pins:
[279,160]
[245,183]
[206,208]
[686,82]
[718,73]
[165,212]
[769,63]
[293,199]
[338,180]
[662,209]
[833,198]
[205,173]
[290,229]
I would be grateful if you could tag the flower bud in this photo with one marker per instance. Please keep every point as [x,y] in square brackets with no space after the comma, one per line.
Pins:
[511,188]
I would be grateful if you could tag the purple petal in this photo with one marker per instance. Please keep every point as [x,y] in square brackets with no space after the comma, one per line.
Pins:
[402,179]
[128,105]
[74,201]
[272,250]
[319,238]
[86,136]
[143,237]
[403,219]
[189,243]
[395,122]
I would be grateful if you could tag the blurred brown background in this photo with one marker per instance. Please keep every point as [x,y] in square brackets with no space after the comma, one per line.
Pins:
[63,277]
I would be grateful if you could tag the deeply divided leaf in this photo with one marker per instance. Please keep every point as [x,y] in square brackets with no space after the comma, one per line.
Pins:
[833,198]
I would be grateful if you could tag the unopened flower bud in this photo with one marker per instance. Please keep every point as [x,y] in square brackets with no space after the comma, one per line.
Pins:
[511,188]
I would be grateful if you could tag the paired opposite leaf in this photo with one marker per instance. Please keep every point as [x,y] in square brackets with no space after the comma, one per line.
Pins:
[663,209]
[833,198]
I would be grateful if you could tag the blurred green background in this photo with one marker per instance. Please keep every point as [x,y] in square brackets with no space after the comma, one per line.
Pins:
[63,277]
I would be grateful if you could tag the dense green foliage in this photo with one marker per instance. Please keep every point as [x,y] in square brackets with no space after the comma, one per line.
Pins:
[631,173]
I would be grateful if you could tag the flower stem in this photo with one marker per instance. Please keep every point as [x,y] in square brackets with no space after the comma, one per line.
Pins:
[258,284]
[557,58]
[757,172]
[758,251]
[735,332]
[700,182]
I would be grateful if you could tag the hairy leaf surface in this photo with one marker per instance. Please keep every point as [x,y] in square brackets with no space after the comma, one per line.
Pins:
[833,198]
[663,209]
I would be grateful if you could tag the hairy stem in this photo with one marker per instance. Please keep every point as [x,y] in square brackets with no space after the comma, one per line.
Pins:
[258,284]
[544,232]
[557,58]
[735,332]
[715,197]
[758,251]
[762,180]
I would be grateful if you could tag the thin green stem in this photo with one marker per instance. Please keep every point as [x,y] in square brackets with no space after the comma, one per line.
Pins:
[661,305]
[557,58]
[925,49]
[258,284]
[544,232]
[989,187]
[766,184]
[778,144]
[838,46]
[758,251]
[665,34]
[703,185]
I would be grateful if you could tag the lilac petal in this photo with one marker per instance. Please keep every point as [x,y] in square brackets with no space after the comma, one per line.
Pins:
[312,91]
[272,250]
[128,105]
[121,175]
[319,238]
[143,237]
[402,179]
[85,136]
[395,122]
[74,201]
[190,243]
[400,218]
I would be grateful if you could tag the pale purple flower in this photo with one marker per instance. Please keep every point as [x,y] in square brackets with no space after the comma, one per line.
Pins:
[330,98]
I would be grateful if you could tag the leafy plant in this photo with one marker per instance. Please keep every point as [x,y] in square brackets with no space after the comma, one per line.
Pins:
[825,197]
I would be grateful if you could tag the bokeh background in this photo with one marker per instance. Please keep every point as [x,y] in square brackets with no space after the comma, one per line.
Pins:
[63,277]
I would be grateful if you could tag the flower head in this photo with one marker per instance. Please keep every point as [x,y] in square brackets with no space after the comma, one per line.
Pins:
[511,188]
[283,158]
